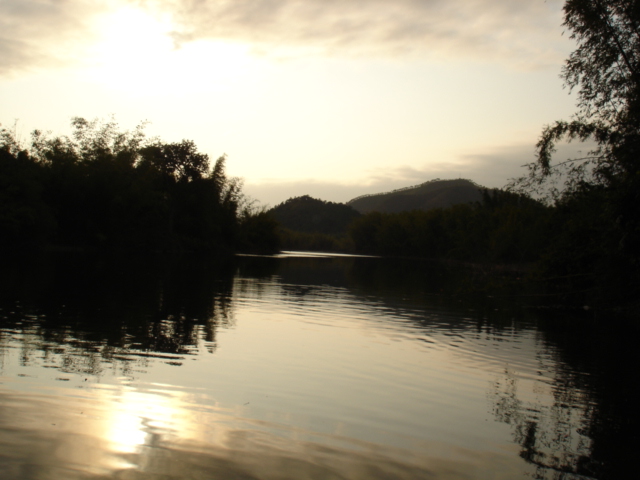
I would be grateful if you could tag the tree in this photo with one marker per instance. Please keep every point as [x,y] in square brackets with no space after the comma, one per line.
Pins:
[179,161]
[597,196]
[102,187]
[312,215]
[605,68]
[25,219]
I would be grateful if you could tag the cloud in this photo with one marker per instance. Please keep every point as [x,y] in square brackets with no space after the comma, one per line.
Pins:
[498,167]
[525,34]
[45,33]
[493,169]
[273,192]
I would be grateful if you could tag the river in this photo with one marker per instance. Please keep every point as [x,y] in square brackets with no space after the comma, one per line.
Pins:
[305,366]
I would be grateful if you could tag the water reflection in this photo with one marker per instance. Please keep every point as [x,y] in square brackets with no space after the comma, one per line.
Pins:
[80,311]
[302,368]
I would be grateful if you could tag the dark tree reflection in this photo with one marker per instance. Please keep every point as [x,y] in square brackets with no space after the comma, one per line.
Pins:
[83,312]
[578,417]
[591,428]
[587,365]
[549,435]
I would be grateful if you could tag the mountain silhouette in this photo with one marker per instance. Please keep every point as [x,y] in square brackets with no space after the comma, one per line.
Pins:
[311,215]
[426,196]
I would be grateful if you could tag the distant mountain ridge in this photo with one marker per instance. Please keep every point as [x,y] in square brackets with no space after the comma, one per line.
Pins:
[435,193]
[312,215]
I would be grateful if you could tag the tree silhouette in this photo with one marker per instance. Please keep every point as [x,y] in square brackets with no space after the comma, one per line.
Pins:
[179,161]
[597,195]
[102,187]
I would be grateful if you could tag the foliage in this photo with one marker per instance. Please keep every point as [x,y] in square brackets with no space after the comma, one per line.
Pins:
[25,220]
[316,242]
[103,187]
[311,215]
[597,195]
[307,223]
[605,64]
[504,227]
[605,70]
[258,231]
[180,162]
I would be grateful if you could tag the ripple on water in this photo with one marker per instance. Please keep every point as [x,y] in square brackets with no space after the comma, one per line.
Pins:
[282,380]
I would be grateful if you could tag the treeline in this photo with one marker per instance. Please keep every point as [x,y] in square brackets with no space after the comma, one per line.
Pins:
[105,188]
[574,248]
[308,223]
[504,227]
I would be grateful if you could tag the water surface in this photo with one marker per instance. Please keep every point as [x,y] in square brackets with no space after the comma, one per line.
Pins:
[303,366]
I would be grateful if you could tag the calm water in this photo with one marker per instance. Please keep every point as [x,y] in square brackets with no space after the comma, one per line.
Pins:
[304,368]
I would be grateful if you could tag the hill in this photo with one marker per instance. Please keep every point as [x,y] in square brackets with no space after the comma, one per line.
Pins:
[426,196]
[310,215]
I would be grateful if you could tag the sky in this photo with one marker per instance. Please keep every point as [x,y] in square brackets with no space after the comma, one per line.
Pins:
[331,98]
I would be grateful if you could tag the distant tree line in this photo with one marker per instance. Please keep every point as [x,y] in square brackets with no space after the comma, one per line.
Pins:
[105,188]
[504,227]
[308,223]
[568,246]
[312,215]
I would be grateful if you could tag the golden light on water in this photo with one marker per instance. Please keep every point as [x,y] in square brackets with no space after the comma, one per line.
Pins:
[125,427]
[308,380]
[134,419]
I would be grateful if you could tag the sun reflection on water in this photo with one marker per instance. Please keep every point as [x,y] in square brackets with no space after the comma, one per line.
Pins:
[135,419]
[308,380]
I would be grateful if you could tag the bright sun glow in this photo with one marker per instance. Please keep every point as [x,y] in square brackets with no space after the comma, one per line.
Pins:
[138,56]
[136,416]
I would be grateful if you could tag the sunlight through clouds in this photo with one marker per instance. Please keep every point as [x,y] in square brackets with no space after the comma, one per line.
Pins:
[525,35]
[495,30]
[132,47]
[36,35]
[295,91]
[136,55]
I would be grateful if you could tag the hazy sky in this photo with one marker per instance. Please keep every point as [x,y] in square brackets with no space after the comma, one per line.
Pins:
[334,98]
